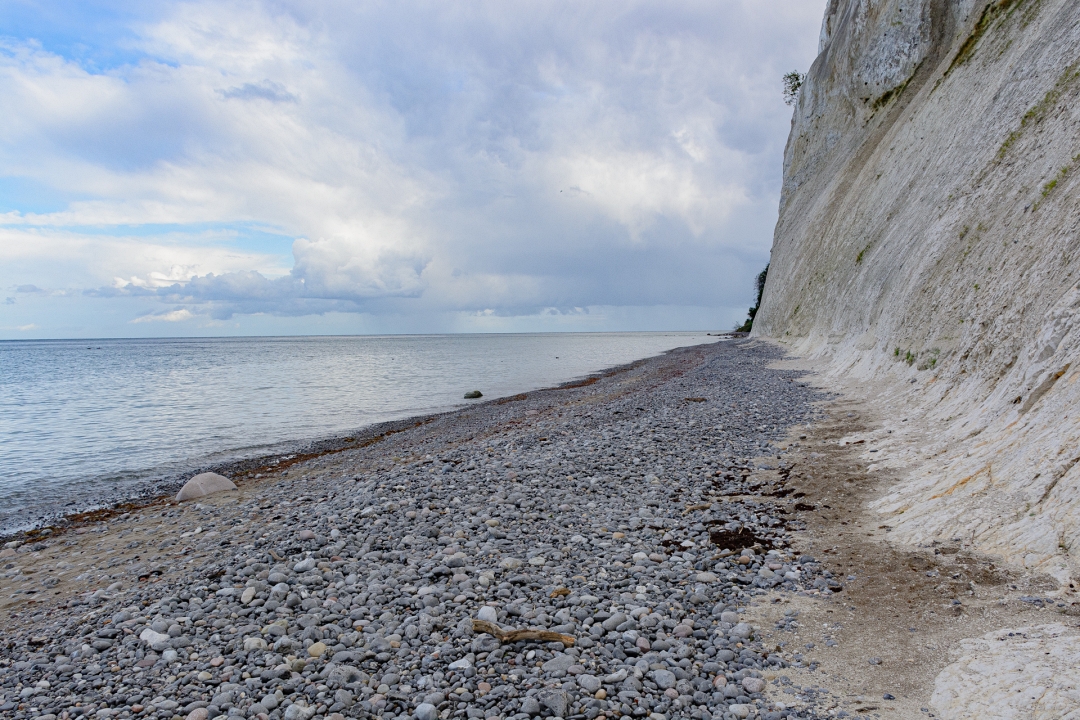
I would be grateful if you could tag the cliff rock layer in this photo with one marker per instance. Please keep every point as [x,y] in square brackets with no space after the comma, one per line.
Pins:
[928,245]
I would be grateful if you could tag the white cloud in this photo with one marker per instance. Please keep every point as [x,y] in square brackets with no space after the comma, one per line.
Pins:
[423,157]
[172,316]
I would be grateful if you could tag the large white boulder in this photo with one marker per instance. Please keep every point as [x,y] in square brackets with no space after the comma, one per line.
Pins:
[204,484]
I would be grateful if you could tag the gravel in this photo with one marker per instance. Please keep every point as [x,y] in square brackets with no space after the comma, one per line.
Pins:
[624,513]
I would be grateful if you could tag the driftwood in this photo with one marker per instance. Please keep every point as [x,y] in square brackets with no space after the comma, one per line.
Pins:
[509,636]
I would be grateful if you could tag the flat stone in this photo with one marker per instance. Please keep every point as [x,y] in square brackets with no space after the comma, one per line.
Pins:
[664,679]
[557,701]
[559,663]
[204,484]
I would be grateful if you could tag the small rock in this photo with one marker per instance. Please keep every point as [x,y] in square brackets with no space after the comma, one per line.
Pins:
[589,683]
[530,706]
[742,630]
[753,684]
[557,701]
[299,712]
[559,663]
[664,679]
[306,535]
[426,711]
[156,640]
[616,677]
[248,596]
[197,714]
[473,394]
[317,649]
[488,614]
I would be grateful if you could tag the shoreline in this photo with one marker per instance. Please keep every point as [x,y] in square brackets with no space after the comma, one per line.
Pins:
[704,513]
[161,491]
[547,512]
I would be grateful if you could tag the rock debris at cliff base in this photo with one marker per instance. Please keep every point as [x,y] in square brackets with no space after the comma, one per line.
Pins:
[349,585]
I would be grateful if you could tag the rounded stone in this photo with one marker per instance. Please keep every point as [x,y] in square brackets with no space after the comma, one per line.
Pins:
[204,484]
[426,711]
[753,684]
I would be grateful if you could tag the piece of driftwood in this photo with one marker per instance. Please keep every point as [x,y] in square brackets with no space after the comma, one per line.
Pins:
[509,636]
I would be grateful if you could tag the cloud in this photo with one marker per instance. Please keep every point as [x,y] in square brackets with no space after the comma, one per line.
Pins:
[172,316]
[265,90]
[410,159]
[29,289]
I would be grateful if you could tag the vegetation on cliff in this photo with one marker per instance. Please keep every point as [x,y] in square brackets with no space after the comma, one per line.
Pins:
[759,285]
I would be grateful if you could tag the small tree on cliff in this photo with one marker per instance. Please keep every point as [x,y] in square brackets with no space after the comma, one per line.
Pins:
[793,82]
[759,285]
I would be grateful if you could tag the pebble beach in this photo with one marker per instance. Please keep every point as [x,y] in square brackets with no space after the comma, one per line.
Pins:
[581,552]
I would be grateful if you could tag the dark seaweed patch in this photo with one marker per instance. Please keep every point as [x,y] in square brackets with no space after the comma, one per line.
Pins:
[738,539]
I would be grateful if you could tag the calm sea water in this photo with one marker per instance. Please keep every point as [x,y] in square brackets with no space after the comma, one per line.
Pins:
[83,421]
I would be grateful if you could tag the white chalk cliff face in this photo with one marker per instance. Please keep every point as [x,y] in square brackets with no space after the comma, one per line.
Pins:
[929,245]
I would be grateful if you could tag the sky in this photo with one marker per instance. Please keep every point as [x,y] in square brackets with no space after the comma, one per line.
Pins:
[277,167]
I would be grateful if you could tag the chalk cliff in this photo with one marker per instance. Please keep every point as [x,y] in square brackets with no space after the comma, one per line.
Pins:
[929,245]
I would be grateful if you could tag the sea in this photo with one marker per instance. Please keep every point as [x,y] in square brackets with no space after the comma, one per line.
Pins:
[85,423]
